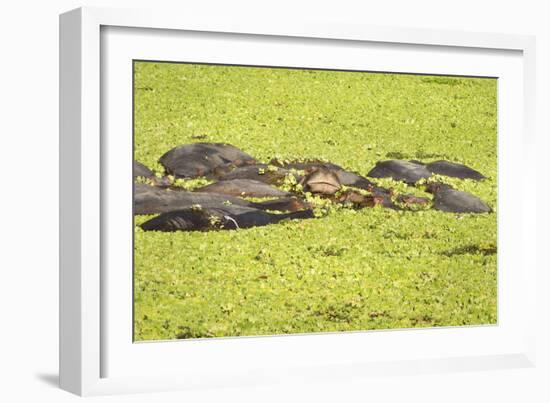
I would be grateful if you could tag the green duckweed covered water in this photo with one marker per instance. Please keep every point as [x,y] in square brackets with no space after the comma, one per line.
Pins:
[350,270]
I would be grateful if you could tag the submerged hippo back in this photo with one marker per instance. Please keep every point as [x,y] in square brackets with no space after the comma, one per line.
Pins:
[200,159]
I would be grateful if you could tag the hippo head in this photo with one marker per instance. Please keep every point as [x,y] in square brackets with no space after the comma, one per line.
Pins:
[321,181]
[436,187]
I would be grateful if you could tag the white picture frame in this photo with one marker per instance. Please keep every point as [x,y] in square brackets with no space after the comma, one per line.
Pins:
[96,356]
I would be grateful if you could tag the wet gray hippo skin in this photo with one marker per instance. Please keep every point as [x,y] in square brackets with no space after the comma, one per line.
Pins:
[151,200]
[450,200]
[258,172]
[243,187]
[406,171]
[454,170]
[200,159]
[348,178]
[306,165]
[284,204]
[141,170]
[226,218]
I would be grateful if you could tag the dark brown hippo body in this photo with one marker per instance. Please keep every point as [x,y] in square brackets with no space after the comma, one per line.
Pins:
[454,170]
[399,170]
[381,197]
[200,159]
[455,201]
[243,188]
[226,218]
[325,182]
[410,200]
[359,200]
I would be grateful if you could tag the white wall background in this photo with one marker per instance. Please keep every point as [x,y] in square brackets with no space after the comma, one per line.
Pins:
[29,197]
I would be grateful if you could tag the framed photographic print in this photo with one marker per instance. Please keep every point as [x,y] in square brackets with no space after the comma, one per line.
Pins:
[247,202]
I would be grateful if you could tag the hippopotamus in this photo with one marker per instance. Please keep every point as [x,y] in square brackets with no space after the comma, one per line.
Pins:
[406,171]
[455,201]
[353,179]
[221,218]
[140,170]
[284,204]
[345,177]
[151,200]
[306,165]
[454,170]
[359,200]
[258,172]
[410,200]
[243,188]
[200,159]
[321,181]
[325,182]
[380,197]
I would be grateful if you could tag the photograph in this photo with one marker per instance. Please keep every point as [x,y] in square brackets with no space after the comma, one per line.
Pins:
[273,201]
